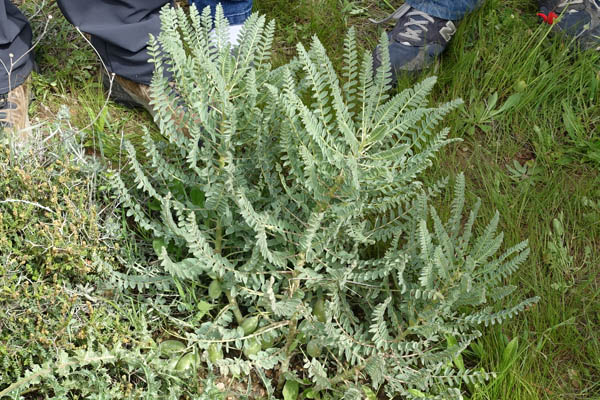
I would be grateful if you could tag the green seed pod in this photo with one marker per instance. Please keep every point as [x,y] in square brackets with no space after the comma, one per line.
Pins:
[171,347]
[172,363]
[215,353]
[190,360]
[214,289]
[249,325]
[251,347]
[313,349]
[319,310]
[267,341]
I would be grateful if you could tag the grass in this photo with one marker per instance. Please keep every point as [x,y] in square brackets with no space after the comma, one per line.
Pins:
[555,130]
[535,159]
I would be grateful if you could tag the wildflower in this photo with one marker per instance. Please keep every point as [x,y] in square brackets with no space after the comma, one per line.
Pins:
[549,19]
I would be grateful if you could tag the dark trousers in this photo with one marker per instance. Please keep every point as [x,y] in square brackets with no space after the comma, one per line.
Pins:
[119,30]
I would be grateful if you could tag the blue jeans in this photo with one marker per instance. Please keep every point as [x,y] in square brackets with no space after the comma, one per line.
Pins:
[446,9]
[236,11]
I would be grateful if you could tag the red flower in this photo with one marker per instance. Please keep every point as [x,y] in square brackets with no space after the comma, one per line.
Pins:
[549,19]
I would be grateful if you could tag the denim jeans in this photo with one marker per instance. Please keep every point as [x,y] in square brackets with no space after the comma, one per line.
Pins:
[236,11]
[446,9]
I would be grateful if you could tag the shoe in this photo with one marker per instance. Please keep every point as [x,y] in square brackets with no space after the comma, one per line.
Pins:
[579,19]
[133,94]
[415,41]
[14,107]
[129,93]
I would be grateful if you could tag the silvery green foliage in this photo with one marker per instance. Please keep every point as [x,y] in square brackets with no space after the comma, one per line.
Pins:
[115,373]
[287,184]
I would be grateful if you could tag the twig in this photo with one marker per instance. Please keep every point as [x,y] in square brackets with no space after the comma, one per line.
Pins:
[31,203]
[111,79]
[268,328]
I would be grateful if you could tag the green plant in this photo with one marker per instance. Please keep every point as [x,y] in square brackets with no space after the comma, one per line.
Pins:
[526,172]
[51,232]
[310,188]
[114,373]
[497,49]
[65,332]
[484,114]
[47,224]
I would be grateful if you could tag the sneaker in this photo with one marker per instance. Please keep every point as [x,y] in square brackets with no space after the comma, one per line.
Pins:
[416,40]
[579,19]
[14,107]
[127,92]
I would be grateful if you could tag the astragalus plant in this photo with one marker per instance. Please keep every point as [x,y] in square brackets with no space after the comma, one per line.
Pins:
[292,196]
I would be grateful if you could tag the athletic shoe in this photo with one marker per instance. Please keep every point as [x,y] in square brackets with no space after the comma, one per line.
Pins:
[416,40]
[576,18]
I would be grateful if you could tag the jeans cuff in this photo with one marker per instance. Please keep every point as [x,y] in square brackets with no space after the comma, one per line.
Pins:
[444,12]
[238,18]
[236,11]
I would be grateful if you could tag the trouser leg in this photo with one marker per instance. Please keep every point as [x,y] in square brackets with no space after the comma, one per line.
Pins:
[15,40]
[446,9]
[236,11]
[120,30]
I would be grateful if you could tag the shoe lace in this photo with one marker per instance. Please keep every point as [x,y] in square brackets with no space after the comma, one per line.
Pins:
[415,27]
[3,106]
[396,15]
[420,24]
[566,3]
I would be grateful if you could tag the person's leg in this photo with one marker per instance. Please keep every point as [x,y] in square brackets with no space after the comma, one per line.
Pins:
[15,41]
[445,9]
[120,31]
[236,11]
[16,63]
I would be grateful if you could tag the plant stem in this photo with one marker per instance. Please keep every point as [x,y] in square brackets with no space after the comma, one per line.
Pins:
[219,238]
[291,335]
[285,364]
[234,306]
[346,375]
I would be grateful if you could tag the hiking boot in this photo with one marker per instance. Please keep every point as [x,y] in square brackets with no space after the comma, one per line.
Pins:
[14,107]
[129,93]
[579,19]
[133,94]
[415,41]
